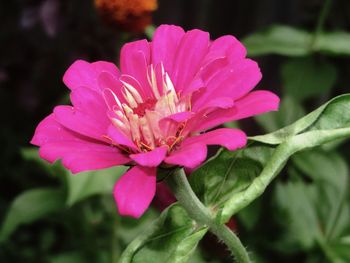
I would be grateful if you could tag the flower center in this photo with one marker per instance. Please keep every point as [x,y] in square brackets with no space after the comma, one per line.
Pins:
[144,114]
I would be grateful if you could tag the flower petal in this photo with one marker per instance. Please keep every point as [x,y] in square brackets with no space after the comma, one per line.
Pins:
[134,61]
[80,122]
[233,81]
[152,158]
[165,42]
[119,137]
[135,190]
[190,53]
[229,138]
[90,103]
[82,156]
[190,156]
[78,153]
[255,103]
[84,74]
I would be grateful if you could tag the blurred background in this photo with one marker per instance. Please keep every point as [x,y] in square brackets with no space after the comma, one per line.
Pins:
[303,49]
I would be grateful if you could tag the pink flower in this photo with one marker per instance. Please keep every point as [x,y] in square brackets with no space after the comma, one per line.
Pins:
[155,110]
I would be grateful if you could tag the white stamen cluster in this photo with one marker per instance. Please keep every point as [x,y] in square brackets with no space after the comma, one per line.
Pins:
[144,128]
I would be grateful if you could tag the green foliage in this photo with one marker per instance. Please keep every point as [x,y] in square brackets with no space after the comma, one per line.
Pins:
[289,41]
[317,213]
[86,184]
[305,77]
[278,39]
[230,181]
[30,206]
[172,238]
[227,174]
[330,116]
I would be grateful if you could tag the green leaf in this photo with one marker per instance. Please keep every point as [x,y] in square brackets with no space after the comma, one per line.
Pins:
[330,172]
[187,246]
[30,206]
[304,77]
[278,39]
[326,124]
[86,184]
[172,238]
[68,257]
[228,173]
[296,199]
[317,212]
[329,116]
[333,43]
[32,154]
[289,41]
[290,110]
[149,31]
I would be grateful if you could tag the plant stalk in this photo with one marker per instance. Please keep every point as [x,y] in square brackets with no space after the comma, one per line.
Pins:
[181,188]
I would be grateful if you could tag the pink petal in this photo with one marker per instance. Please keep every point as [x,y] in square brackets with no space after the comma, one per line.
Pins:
[224,51]
[82,156]
[110,84]
[190,156]
[229,138]
[90,103]
[233,81]
[225,46]
[152,158]
[165,42]
[135,190]
[49,130]
[134,61]
[80,122]
[255,103]
[175,118]
[78,153]
[119,137]
[190,53]
[84,74]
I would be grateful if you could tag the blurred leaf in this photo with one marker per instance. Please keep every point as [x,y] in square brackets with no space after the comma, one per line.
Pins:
[278,39]
[86,184]
[149,31]
[68,257]
[329,116]
[172,238]
[249,216]
[129,228]
[289,111]
[30,206]
[317,212]
[330,172]
[289,41]
[304,77]
[301,221]
[32,154]
[80,186]
[334,43]
[228,173]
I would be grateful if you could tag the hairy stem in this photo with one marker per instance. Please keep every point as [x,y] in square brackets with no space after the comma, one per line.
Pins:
[187,198]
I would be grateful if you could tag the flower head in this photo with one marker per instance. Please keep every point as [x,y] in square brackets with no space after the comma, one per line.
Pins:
[155,111]
[132,15]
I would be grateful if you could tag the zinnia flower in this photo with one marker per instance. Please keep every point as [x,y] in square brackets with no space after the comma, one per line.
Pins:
[155,111]
[131,15]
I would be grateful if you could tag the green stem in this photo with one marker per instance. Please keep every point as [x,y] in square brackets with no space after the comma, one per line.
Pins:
[187,198]
[320,22]
[277,161]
